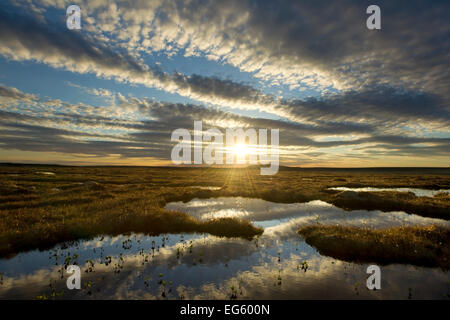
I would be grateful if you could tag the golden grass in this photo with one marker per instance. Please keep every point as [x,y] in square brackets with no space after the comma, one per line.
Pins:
[39,211]
[422,246]
[435,207]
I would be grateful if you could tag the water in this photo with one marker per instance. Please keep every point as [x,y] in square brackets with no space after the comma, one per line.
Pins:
[200,266]
[417,192]
[210,188]
[274,216]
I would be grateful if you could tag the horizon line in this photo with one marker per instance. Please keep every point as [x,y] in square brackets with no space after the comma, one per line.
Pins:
[215,167]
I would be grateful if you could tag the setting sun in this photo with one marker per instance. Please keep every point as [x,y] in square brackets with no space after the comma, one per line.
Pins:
[241,150]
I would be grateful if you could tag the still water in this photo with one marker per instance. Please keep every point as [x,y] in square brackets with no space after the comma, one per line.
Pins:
[276,265]
[417,192]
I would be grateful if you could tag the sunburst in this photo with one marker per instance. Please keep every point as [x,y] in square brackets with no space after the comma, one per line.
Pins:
[240,150]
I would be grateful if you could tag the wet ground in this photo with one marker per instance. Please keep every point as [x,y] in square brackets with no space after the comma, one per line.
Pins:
[276,265]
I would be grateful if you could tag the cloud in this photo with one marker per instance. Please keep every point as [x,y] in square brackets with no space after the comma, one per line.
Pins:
[99,132]
[383,74]
[11,95]
[93,91]
[299,43]
[25,37]
[381,92]
[373,104]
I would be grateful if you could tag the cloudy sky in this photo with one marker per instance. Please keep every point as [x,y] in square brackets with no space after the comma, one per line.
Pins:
[112,93]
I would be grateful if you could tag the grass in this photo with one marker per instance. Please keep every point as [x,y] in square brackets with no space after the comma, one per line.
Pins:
[39,210]
[435,207]
[421,246]
[41,221]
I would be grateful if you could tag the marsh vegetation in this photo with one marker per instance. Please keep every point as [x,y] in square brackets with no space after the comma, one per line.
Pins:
[418,245]
[41,206]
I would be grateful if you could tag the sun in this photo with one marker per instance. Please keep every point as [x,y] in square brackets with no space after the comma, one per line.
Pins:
[240,150]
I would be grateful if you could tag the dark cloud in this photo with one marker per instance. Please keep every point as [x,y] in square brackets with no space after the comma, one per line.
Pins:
[26,37]
[410,50]
[9,94]
[373,104]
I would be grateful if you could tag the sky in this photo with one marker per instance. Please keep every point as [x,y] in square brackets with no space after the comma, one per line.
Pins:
[112,92]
